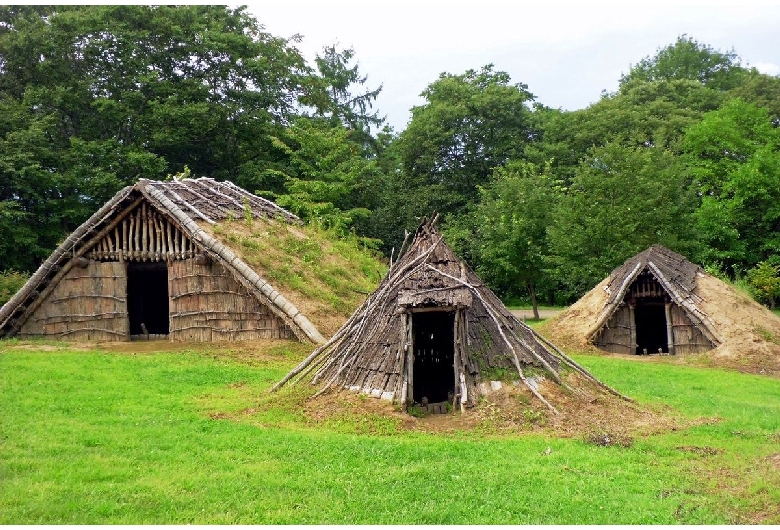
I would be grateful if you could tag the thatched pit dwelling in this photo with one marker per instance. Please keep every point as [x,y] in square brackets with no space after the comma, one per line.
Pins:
[650,304]
[652,307]
[432,333]
[144,267]
[660,300]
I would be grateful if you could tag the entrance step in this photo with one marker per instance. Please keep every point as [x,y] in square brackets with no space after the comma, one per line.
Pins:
[434,408]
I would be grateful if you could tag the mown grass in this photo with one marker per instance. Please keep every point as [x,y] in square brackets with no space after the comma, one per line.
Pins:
[529,307]
[189,436]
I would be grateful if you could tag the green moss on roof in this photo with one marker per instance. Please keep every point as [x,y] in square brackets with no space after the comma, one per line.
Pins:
[325,276]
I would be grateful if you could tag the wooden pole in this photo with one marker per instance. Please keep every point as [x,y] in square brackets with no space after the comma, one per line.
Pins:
[409,345]
[669,333]
[158,236]
[170,241]
[125,235]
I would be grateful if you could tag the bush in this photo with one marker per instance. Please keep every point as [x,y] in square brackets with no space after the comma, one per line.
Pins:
[765,280]
[10,282]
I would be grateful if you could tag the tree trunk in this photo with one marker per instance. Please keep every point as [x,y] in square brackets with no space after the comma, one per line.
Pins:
[534,303]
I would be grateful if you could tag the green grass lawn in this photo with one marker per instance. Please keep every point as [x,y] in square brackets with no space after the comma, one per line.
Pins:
[529,307]
[190,436]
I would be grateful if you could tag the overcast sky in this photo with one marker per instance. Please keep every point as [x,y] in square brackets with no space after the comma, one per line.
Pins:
[567,55]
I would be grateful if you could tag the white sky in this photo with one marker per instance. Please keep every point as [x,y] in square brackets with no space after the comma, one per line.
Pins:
[566,54]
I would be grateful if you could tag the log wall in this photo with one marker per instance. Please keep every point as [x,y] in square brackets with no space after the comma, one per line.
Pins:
[617,335]
[687,337]
[207,304]
[87,304]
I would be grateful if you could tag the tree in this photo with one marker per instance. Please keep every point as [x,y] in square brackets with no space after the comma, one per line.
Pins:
[509,243]
[765,280]
[470,124]
[734,153]
[335,97]
[94,97]
[689,59]
[621,201]
[10,282]
[643,114]
[763,91]
[327,173]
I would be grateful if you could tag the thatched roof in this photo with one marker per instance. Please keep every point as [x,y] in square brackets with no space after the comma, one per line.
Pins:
[371,352]
[185,203]
[676,275]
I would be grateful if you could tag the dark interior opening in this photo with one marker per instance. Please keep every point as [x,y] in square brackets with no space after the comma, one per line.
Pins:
[650,319]
[434,356]
[147,298]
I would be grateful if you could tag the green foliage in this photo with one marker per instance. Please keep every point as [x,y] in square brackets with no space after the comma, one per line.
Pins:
[497,373]
[689,59]
[685,153]
[470,124]
[10,282]
[734,153]
[762,90]
[327,174]
[416,411]
[765,280]
[621,201]
[248,216]
[94,97]
[336,99]
[507,240]
[642,114]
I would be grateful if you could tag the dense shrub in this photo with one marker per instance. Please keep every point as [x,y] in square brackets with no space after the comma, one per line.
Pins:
[10,282]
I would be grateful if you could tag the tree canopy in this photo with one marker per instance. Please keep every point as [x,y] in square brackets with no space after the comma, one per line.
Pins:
[542,202]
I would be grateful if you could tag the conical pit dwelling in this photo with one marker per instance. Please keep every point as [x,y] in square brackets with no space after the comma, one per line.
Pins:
[432,333]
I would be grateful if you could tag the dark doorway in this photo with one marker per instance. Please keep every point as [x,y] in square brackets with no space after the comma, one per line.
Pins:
[650,319]
[147,298]
[434,356]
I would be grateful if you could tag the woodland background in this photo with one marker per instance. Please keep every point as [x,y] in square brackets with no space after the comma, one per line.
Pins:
[542,202]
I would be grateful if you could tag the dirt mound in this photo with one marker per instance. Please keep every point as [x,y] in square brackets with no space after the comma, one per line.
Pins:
[750,333]
[570,328]
[591,414]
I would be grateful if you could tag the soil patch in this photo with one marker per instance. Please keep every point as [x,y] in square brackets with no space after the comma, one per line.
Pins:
[584,412]
[252,352]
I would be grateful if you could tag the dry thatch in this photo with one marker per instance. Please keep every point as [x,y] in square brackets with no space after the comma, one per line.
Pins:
[733,329]
[83,289]
[432,331]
